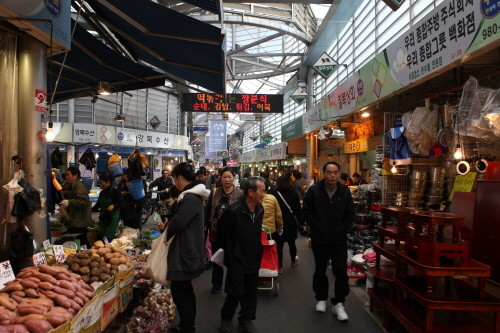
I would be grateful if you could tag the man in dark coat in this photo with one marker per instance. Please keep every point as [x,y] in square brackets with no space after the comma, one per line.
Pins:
[329,211]
[163,183]
[239,231]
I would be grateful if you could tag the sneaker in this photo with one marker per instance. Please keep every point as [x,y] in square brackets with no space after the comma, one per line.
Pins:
[321,306]
[226,326]
[339,311]
[246,326]
[296,261]
[216,290]
[280,270]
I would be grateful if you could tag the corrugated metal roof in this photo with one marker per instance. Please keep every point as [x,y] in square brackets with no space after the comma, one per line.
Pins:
[164,38]
[89,62]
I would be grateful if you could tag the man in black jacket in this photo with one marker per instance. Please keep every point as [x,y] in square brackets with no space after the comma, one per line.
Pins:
[239,232]
[163,183]
[329,211]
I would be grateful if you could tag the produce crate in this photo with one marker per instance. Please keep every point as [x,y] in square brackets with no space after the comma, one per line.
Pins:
[354,274]
[64,328]
[110,306]
[88,318]
[106,286]
[125,297]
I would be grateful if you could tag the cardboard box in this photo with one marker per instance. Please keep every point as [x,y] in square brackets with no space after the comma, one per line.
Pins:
[125,297]
[88,318]
[64,328]
[110,306]
[125,274]
[106,286]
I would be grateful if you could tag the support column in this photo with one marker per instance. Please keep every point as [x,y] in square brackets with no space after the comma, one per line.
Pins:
[32,69]
[310,88]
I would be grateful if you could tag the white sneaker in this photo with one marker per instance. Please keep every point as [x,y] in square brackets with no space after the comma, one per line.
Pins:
[339,311]
[321,306]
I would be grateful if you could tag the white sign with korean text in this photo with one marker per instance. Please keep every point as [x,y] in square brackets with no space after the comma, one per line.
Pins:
[59,253]
[6,273]
[39,259]
[84,133]
[440,38]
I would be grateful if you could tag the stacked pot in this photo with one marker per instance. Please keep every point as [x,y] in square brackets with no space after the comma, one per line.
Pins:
[417,189]
[436,186]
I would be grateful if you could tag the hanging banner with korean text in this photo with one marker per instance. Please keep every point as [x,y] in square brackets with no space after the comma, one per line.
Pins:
[84,133]
[218,135]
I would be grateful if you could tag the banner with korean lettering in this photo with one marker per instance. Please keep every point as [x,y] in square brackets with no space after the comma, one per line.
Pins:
[218,135]
[84,133]
[440,38]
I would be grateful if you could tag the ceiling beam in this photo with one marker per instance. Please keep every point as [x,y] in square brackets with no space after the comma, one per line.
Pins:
[285,70]
[253,63]
[257,42]
[271,55]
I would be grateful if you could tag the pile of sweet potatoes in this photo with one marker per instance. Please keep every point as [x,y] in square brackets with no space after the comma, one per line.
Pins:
[41,298]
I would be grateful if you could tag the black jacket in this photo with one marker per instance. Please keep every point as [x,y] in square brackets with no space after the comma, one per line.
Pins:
[289,222]
[329,219]
[186,259]
[239,236]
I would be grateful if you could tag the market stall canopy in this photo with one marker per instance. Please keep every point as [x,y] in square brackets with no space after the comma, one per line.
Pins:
[171,41]
[90,62]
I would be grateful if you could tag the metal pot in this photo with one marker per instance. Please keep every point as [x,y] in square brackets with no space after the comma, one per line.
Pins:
[438,191]
[418,175]
[434,199]
[414,196]
[362,219]
[417,183]
[414,204]
[437,174]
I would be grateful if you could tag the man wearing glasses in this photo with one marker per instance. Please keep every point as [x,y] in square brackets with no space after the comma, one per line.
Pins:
[329,211]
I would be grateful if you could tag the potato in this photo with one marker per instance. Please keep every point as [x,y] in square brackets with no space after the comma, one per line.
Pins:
[114,261]
[94,279]
[117,254]
[108,256]
[95,272]
[102,251]
[123,260]
[113,272]
[85,278]
[110,246]
[99,244]
[75,267]
[95,264]
[104,277]
[105,270]
[84,271]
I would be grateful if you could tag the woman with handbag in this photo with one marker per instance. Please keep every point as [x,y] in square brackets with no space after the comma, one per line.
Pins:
[219,200]
[292,219]
[186,251]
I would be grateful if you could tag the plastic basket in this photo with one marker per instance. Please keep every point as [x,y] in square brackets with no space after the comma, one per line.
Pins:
[115,168]
[136,189]
[88,182]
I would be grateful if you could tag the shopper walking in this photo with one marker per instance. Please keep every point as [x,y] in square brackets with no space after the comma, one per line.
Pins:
[297,185]
[185,256]
[77,204]
[239,235]
[218,202]
[108,205]
[329,211]
[292,219]
[273,220]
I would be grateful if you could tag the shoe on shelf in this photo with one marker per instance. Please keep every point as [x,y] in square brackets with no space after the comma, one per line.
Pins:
[246,326]
[280,270]
[226,326]
[296,261]
[321,306]
[216,290]
[339,311]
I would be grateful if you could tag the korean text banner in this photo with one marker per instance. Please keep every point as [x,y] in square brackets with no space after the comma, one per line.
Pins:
[218,135]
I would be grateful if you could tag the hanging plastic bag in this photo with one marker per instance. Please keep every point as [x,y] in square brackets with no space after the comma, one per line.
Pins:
[398,145]
[157,266]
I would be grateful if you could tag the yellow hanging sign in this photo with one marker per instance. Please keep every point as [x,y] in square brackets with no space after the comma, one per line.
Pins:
[463,183]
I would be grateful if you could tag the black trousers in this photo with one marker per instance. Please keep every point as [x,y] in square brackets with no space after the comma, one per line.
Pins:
[185,300]
[291,247]
[338,254]
[217,271]
[240,289]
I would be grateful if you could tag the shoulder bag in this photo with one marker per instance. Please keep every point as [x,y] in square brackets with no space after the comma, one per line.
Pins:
[157,266]
[291,211]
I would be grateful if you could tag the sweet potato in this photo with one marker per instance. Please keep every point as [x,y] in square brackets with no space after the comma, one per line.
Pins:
[45,277]
[27,309]
[62,276]
[23,319]
[82,296]
[29,284]
[38,326]
[55,318]
[46,302]
[75,305]
[30,292]
[46,285]
[16,298]
[12,287]
[6,303]
[62,301]
[32,278]
[19,293]
[79,301]
[52,270]
[67,285]
[14,329]
[7,317]
[63,291]
[49,293]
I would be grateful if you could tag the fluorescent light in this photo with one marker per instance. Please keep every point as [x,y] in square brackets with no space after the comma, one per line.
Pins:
[365,114]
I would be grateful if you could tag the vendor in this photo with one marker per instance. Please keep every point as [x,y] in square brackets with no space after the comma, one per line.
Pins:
[357,179]
[109,203]
[77,205]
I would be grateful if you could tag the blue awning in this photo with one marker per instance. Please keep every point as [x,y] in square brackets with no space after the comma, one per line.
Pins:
[90,62]
[173,42]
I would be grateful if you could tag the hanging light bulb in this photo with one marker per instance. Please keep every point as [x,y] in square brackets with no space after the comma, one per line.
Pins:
[458,155]
[394,170]
[50,135]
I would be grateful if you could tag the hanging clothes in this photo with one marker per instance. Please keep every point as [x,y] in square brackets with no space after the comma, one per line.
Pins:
[88,159]
[56,158]
[27,201]
[398,144]
[137,165]
[12,188]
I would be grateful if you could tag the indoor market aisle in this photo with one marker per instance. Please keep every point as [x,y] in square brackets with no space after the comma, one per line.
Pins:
[293,310]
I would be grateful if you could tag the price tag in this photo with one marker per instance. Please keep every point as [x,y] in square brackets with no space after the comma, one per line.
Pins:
[59,253]
[463,183]
[39,259]
[83,247]
[6,273]
[105,240]
[46,243]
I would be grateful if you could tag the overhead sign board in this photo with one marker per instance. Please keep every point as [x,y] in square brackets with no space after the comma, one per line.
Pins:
[394,4]
[200,128]
[325,65]
[250,117]
[245,103]
[299,95]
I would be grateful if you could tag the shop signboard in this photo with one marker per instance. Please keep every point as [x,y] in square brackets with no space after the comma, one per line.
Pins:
[325,65]
[200,129]
[106,135]
[246,103]
[278,151]
[292,130]
[299,95]
[233,163]
[84,133]
[218,135]
[374,142]
[451,31]
[463,183]
[331,144]
[248,157]
[126,137]
[356,146]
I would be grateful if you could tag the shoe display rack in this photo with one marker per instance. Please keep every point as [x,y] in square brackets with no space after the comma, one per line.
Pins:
[433,282]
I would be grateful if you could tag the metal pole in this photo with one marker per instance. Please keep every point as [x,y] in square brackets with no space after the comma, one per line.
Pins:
[32,70]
